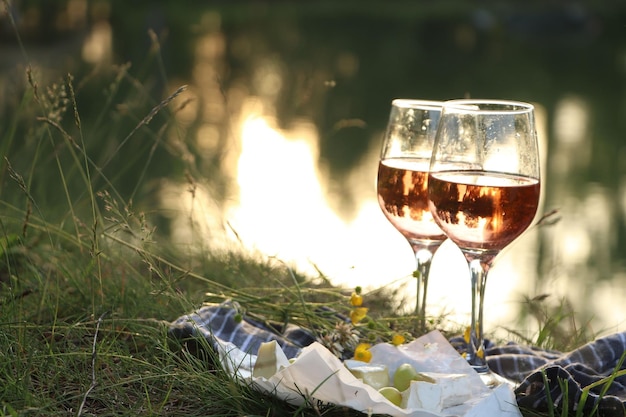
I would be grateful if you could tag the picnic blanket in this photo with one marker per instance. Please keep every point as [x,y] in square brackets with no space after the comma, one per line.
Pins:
[531,368]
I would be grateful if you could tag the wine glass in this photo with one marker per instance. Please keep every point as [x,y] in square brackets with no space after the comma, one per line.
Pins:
[402,184]
[483,189]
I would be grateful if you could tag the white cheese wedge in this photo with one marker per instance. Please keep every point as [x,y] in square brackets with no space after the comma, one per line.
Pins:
[270,359]
[376,376]
[448,390]
[423,395]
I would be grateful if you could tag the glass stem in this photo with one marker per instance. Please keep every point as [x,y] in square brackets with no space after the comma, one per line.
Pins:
[424,258]
[475,346]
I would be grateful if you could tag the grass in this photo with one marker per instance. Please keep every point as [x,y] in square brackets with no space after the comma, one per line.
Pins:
[89,283]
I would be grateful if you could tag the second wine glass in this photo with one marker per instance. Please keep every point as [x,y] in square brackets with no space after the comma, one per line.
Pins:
[403,184]
[484,189]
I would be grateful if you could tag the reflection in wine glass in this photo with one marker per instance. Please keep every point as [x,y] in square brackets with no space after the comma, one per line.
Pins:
[483,189]
[403,184]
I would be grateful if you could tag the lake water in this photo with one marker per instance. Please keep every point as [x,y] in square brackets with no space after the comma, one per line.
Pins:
[286,110]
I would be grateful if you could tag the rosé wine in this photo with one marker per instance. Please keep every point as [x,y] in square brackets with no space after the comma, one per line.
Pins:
[403,198]
[483,210]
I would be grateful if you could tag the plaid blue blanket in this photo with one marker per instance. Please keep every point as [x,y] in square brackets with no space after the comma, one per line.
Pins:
[566,374]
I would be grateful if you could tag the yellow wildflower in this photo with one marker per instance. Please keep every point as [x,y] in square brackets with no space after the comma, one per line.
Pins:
[362,352]
[356,300]
[467,334]
[358,314]
[397,339]
[480,353]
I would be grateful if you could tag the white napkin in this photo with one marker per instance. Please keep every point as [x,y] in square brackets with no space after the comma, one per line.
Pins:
[320,377]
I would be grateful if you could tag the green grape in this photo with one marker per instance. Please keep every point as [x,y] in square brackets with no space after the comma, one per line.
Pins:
[403,376]
[392,394]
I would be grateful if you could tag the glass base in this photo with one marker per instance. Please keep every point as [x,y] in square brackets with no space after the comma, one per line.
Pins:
[481,369]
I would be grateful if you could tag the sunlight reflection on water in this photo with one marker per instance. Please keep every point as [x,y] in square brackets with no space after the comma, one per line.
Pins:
[283,208]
